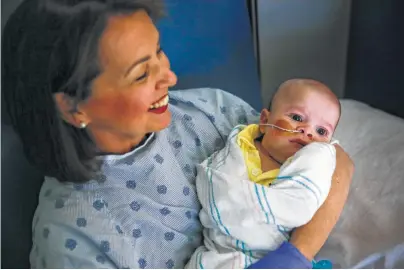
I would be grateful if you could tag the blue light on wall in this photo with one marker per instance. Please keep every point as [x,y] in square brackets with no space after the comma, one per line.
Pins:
[209,44]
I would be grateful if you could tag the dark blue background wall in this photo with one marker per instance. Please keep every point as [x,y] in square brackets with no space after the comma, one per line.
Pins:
[375,70]
[210,44]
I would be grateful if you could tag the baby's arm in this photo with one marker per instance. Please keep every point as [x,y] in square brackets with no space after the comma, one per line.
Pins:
[302,185]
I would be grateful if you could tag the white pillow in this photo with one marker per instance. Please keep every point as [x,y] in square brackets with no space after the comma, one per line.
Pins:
[373,218]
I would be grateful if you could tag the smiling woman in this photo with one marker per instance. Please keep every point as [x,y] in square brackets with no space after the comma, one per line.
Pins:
[93,118]
[107,95]
[117,113]
[86,86]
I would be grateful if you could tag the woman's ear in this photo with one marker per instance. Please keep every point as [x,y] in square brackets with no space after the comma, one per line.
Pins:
[264,117]
[69,111]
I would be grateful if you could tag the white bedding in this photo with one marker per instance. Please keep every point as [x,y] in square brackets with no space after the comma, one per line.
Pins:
[370,232]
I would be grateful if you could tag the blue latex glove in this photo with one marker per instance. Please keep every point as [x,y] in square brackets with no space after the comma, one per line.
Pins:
[287,256]
[323,264]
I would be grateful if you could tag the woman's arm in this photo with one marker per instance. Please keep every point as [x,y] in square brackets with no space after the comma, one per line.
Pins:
[309,238]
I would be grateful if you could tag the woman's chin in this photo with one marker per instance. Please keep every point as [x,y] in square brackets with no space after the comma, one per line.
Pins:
[161,121]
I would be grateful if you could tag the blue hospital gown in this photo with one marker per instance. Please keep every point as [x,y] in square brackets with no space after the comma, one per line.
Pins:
[143,211]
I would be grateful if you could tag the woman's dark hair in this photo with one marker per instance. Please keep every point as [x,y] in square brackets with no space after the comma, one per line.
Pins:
[51,46]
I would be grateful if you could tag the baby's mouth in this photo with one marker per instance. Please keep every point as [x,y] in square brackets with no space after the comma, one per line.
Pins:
[299,141]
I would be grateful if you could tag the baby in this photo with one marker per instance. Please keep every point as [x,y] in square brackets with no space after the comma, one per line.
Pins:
[269,178]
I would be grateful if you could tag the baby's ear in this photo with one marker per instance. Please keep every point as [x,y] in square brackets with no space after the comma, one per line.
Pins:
[264,117]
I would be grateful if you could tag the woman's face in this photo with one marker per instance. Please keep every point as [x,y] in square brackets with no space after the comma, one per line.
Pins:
[129,97]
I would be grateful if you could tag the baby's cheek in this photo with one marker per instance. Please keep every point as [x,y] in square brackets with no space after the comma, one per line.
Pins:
[272,141]
[275,132]
[277,146]
[322,139]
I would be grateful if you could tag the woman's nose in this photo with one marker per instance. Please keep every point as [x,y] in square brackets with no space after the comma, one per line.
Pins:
[167,79]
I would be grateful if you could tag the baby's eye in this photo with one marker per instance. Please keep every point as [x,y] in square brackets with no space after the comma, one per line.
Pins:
[322,131]
[296,117]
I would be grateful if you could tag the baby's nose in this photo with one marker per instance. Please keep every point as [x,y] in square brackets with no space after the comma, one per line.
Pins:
[306,131]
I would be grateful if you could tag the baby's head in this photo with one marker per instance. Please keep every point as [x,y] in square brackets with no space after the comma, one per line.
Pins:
[299,104]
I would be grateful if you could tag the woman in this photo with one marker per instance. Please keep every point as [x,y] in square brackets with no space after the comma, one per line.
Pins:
[86,84]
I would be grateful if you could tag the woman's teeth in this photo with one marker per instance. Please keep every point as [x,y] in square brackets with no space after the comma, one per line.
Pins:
[162,102]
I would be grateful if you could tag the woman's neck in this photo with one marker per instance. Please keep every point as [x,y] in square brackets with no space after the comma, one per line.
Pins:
[109,143]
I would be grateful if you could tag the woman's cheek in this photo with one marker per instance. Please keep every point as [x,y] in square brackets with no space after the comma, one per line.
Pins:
[116,107]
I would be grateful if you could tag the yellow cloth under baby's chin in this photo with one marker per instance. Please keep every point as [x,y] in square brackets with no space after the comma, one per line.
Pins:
[245,140]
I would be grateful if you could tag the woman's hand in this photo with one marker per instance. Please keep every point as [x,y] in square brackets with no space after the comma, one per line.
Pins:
[309,239]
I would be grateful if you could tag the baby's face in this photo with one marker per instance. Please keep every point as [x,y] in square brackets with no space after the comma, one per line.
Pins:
[314,113]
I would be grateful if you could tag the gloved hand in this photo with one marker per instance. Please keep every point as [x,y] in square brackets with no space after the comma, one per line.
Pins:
[286,256]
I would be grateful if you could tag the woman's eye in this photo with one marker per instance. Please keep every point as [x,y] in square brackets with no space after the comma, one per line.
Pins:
[296,117]
[143,76]
[322,131]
